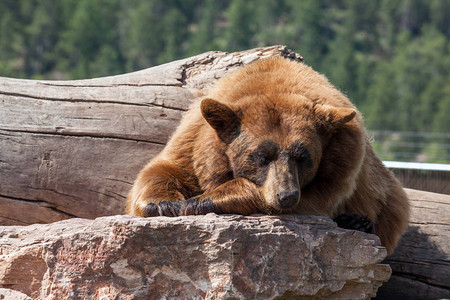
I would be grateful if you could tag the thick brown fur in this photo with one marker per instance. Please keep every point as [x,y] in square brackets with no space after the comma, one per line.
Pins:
[273,137]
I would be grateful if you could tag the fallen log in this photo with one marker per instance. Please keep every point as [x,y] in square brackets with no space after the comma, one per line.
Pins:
[421,263]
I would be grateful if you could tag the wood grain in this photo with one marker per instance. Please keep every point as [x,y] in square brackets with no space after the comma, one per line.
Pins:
[421,263]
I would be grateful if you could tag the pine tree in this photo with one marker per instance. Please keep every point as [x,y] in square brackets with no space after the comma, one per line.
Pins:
[240,22]
[204,36]
[310,29]
[11,39]
[90,30]
[174,29]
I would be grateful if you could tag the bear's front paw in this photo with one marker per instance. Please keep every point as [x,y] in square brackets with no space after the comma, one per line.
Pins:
[193,206]
[355,222]
[164,208]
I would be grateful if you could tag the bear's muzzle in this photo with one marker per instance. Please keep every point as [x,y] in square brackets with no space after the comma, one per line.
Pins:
[288,199]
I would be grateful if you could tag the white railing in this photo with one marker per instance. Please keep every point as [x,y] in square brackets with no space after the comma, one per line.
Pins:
[416,166]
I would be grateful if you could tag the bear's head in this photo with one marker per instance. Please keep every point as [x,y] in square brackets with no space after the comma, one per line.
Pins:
[275,141]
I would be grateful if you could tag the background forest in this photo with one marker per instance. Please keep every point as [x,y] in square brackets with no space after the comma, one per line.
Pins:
[391,57]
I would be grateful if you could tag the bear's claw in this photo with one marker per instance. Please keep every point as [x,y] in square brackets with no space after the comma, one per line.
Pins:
[355,222]
[191,206]
[165,208]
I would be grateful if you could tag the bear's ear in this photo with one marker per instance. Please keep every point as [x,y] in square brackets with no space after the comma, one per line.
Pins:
[332,118]
[222,118]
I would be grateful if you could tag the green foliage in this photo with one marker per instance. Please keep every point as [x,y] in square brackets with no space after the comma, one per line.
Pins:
[391,57]
[205,32]
[239,30]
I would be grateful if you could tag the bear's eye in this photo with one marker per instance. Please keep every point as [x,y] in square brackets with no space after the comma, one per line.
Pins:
[301,154]
[264,160]
[265,153]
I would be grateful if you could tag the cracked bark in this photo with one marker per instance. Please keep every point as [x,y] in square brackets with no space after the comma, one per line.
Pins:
[61,132]
[421,263]
[87,101]
[28,212]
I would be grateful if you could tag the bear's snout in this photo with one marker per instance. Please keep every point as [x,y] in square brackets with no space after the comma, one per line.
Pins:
[288,199]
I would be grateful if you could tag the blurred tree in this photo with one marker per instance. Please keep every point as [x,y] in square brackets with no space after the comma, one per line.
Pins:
[379,108]
[11,39]
[340,61]
[387,27]
[239,30]
[90,31]
[269,20]
[440,15]
[144,41]
[205,31]
[441,121]
[310,29]
[424,57]
[174,30]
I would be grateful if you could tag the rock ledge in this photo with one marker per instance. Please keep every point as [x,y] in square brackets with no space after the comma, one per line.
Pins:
[212,256]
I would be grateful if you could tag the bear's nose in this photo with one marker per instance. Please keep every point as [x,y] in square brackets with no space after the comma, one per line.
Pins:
[287,199]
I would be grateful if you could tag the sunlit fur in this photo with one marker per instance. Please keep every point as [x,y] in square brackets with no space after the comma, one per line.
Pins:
[214,152]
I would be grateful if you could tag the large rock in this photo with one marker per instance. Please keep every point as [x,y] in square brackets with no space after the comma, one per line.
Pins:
[6,294]
[220,257]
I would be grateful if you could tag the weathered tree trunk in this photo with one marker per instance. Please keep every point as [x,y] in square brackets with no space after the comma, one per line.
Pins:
[73,148]
[421,263]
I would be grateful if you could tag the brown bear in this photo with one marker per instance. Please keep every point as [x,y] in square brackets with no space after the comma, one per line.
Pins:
[273,137]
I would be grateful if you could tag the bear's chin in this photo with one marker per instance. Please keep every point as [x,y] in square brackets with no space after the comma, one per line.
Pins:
[275,208]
